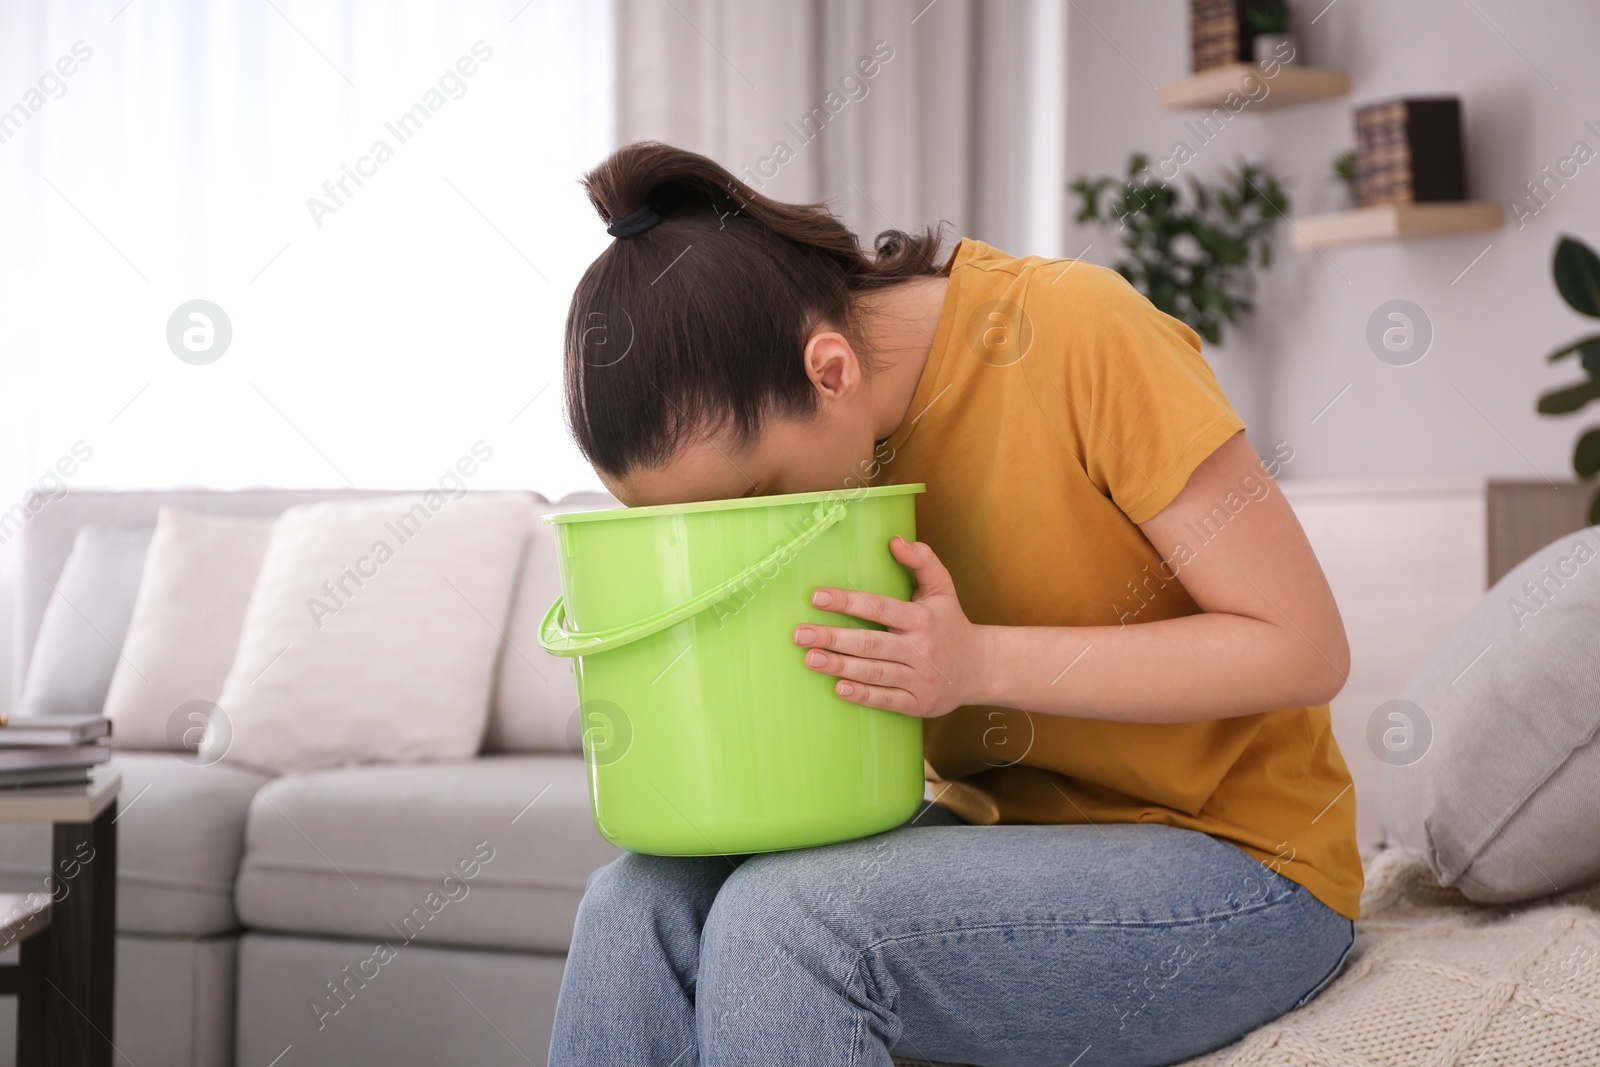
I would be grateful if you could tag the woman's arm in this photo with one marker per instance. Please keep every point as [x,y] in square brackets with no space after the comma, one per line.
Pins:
[1268,635]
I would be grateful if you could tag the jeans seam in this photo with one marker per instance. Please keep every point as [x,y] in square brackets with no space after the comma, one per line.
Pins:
[1338,964]
[1042,925]
[857,1039]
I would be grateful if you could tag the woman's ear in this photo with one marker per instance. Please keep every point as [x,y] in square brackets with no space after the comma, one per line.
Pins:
[831,364]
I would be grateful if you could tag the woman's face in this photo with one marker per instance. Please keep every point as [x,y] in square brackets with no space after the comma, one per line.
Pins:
[832,449]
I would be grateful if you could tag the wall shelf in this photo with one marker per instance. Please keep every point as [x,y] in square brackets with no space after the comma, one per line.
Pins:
[1292,84]
[1389,222]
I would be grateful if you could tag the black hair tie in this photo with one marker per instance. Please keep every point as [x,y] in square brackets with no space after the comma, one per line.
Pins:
[634,222]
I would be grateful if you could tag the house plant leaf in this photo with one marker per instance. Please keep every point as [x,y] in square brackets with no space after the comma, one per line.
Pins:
[1586,456]
[1570,399]
[1577,271]
[1589,353]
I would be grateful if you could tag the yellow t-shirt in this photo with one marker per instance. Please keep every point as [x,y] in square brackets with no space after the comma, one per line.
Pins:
[1058,409]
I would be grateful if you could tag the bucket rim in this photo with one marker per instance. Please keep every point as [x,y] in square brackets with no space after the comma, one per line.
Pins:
[733,503]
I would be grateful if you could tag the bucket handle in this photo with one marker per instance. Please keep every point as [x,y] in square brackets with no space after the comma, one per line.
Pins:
[559,641]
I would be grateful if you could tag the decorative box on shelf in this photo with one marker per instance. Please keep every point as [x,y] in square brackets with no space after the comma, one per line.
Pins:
[1221,32]
[1409,151]
[1241,55]
[1411,178]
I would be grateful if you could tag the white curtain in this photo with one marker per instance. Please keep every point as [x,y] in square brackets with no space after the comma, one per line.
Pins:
[158,152]
[961,117]
[382,199]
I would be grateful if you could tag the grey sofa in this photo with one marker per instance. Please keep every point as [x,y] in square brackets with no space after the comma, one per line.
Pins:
[302,919]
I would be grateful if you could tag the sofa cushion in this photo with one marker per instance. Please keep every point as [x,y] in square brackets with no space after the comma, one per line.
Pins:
[179,837]
[535,693]
[1495,777]
[489,852]
[186,621]
[81,632]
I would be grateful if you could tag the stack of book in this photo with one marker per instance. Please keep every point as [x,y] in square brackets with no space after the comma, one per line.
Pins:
[52,750]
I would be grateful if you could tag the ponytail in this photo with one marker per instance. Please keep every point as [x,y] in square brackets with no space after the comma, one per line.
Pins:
[695,320]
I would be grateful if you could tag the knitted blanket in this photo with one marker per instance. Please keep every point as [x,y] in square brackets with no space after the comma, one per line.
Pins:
[1437,981]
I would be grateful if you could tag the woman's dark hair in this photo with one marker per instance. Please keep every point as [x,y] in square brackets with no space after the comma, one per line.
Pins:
[697,324]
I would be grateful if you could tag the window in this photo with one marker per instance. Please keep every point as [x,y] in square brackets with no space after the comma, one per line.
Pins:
[383,205]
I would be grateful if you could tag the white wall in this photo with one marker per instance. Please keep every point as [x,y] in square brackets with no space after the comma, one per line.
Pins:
[1528,86]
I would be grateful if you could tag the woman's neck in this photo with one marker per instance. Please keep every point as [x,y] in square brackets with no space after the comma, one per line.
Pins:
[899,324]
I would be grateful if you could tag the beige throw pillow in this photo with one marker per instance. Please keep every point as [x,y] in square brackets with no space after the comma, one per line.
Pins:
[185,627]
[373,631]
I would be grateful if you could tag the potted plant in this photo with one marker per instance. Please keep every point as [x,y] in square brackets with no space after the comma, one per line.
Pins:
[1193,256]
[1577,275]
[1273,42]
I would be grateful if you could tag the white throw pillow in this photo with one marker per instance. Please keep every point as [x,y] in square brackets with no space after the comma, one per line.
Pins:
[373,631]
[1498,782]
[186,621]
[535,693]
[84,623]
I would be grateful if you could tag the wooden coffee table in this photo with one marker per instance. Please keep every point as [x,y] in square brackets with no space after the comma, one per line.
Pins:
[67,927]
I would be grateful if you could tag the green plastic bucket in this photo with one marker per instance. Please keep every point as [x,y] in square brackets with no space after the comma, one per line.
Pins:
[703,731]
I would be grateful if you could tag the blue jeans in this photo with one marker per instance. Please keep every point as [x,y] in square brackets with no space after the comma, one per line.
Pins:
[1005,946]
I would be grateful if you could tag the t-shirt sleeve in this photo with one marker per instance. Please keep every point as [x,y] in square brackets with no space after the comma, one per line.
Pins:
[1142,403]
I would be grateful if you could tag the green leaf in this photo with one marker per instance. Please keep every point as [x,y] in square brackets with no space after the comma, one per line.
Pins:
[1588,345]
[1577,272]
[1565,401]
[1586,456]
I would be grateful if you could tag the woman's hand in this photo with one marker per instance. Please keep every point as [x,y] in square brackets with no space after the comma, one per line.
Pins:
[931,660]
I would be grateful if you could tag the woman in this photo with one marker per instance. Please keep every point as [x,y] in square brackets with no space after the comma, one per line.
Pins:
[1121,646]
